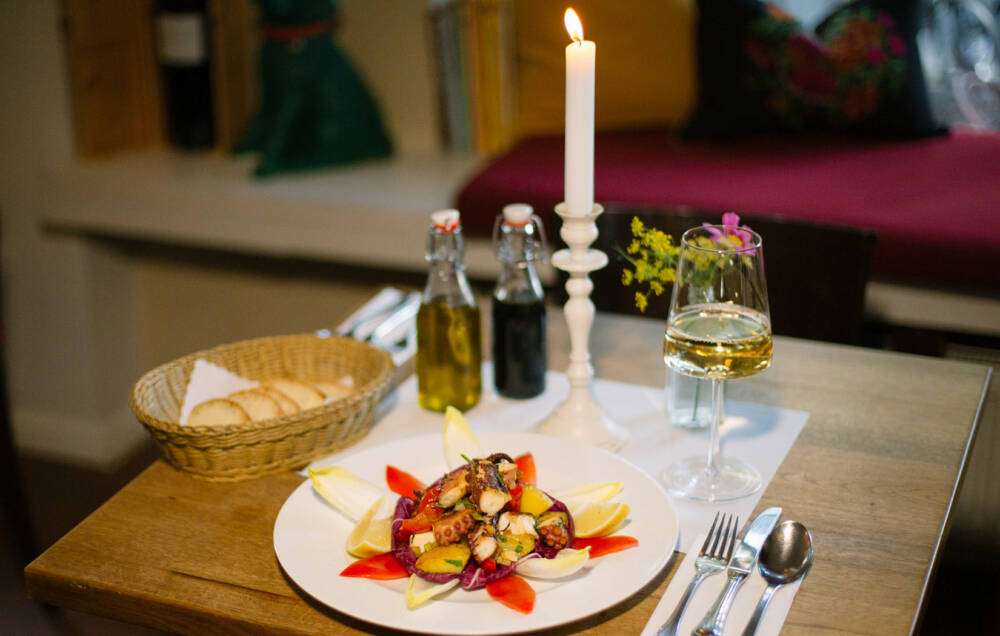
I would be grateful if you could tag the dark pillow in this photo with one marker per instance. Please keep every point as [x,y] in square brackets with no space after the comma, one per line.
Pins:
[760,71]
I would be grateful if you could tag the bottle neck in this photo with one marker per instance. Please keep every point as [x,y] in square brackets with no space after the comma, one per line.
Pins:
[519,282]
[517,250]
[446,281]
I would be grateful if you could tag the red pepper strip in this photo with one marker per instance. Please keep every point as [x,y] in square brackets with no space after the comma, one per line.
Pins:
[515,498]
[429,497]
[401,482]
[526,464]
[514,592]
[599,546]
[420,522]
[413,525]
[489,565]
[382,567]
[426,514]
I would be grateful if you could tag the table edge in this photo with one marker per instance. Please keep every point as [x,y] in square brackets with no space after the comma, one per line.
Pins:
[946,523]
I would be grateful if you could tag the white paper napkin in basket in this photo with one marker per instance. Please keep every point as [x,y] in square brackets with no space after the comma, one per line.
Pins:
[743,606]
[209,381]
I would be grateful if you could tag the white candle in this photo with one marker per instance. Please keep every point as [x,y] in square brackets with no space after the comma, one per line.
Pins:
[578,183]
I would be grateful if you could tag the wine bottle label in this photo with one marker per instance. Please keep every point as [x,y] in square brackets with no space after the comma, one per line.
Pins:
[181,38]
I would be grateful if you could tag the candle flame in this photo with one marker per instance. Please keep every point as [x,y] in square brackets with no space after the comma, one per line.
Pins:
[573,25]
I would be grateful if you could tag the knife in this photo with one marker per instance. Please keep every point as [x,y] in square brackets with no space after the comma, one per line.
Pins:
[380,304]
[397,324]
[742,563]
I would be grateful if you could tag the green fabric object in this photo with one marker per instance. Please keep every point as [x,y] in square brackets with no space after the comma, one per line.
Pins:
[314,109]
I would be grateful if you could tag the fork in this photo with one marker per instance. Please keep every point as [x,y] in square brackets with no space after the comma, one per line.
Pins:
[711,560]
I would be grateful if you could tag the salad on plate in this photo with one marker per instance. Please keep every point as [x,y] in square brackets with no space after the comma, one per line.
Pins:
[484,523]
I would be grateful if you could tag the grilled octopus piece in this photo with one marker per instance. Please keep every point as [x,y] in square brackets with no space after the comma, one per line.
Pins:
[454,487]
[487,489]
[497,458]
[482,542]
[452,528]
[506,467]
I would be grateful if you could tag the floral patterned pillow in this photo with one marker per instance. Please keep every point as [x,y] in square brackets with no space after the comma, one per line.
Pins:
[760,71]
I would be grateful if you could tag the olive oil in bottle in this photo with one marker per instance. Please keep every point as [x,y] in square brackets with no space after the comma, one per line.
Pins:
[449,349]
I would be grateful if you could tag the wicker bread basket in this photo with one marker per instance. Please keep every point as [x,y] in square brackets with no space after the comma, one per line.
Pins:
[245,451]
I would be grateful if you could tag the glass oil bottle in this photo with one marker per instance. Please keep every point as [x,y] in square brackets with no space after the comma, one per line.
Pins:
[519,358]
[449,347]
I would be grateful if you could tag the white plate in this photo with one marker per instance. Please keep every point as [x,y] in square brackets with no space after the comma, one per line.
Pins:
[309,539]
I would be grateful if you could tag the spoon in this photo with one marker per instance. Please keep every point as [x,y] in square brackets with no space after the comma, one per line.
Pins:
[786,555]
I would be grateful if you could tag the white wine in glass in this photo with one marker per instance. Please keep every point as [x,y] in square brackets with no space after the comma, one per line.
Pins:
[719,328]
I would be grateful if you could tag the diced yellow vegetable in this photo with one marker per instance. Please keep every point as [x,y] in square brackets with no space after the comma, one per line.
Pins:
[514,546]
[445,558]
[534,501]
[554,517]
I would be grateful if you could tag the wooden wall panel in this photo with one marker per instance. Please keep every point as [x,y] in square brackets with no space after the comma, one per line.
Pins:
[235,84]
[113,76]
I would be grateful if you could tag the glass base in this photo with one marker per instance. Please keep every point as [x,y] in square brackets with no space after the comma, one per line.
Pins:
[689,479]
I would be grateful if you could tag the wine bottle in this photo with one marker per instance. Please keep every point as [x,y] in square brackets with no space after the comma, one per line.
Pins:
[183,55]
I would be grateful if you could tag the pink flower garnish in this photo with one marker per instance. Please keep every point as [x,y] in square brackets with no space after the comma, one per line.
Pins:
[731,224]
[730,219]
[713,232]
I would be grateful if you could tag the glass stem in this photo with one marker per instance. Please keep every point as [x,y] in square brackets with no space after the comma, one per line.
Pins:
[718,414]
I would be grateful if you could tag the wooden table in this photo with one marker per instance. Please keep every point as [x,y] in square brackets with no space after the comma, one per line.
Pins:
[874,474]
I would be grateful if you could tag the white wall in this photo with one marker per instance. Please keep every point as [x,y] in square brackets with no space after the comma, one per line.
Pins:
[387,41]
[63,338]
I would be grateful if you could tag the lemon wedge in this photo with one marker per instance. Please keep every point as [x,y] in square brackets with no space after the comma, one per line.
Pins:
[599,518]
[349,493]
[370,536]
[419,591]
[576,497]
[567,562]
[458,439]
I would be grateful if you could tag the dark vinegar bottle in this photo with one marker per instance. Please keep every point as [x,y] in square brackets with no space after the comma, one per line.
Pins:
[183,54]
[519,358]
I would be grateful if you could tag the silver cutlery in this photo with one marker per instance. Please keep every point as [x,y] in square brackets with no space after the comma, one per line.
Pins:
[711,560]
[740,565]
[379,305]
[397,324]
[786,556]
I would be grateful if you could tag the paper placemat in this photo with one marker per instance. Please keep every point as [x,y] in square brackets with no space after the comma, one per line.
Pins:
[743,605]
[760,435]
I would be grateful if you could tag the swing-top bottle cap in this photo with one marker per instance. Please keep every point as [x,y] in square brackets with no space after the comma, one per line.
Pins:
[517,214]
[446,220]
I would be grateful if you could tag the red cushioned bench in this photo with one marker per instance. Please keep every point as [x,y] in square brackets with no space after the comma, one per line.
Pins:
[933,203]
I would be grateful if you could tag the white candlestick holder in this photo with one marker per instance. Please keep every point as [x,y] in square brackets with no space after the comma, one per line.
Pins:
[579,417]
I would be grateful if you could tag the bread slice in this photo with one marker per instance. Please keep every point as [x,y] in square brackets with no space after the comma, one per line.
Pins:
[305,395]
[258,405]
[218,412]
[333,390]
[287,404]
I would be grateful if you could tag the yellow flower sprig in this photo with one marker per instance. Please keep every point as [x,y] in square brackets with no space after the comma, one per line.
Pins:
[653,257]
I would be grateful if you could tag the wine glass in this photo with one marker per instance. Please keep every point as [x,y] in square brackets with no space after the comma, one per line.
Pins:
[719,328]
